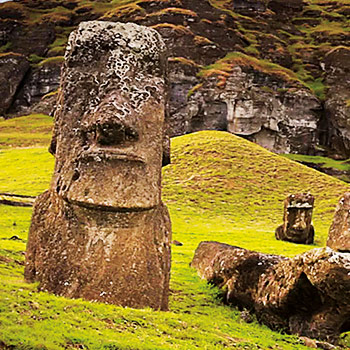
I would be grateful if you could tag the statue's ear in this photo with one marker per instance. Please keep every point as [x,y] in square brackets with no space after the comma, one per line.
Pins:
[55,113]
[166,150]
[52,147]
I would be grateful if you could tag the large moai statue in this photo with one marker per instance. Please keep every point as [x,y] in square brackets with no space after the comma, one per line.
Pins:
[339,234]
[101,232]
[297,219]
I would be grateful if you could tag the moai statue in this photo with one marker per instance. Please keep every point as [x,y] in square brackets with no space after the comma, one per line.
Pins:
[297,219]
[339,234]
[101,232]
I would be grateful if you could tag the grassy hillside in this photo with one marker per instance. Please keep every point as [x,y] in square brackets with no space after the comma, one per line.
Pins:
[27,131]
[218,187]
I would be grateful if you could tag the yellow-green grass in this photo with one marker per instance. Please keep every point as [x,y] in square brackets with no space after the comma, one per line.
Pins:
[343,165]
[25,171]
[224,66]
[218,187]
[26,131]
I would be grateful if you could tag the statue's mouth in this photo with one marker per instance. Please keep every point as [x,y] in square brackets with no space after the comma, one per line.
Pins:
[110,208]
[107,154]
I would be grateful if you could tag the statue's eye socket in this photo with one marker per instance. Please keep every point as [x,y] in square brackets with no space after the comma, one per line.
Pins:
[114,134]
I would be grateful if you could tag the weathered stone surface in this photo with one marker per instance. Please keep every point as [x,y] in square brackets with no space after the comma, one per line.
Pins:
[235,270]
[40,81]
[307,295]
[247,6]
[261,107]
[337,107]
[297,219]
[101,232]
[339,232]
[13,68]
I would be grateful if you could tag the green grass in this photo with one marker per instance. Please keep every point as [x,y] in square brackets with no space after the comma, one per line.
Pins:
[27,131]
[25,171]
[51,60]
[218,187]
[223,67]
[324,161]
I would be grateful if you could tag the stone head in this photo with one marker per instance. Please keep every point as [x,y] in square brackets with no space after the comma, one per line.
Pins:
[298,213]
[109,125]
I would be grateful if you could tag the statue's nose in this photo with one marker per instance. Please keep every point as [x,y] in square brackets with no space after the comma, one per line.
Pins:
[115,133]
[300,222]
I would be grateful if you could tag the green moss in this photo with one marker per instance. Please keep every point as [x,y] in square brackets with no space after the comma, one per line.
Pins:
[51,60]
[33,58]
[178,29]
[225,65]
[252,50]
[193,90]
[318,88]
[185,61]
[5,47]
[57,51]
[61,40]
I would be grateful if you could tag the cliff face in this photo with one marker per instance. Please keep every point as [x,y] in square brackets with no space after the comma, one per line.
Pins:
[274,71]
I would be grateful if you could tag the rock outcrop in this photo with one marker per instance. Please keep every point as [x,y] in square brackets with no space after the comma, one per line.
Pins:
[268,109]
[337,105]
[293,38]
[101,232]
[339,232]
[40,81]
[13,69]
[297,219]
[306,295]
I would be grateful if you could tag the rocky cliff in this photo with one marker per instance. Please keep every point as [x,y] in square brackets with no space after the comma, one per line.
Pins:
[273,71]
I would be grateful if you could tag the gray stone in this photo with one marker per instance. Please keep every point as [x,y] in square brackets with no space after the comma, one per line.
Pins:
[13,68]
[260,107]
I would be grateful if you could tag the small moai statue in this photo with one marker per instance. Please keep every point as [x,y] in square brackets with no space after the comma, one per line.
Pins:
[339,234]
[101,232]
[297,219]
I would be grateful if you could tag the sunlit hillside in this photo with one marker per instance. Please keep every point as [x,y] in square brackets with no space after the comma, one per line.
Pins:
[218,187]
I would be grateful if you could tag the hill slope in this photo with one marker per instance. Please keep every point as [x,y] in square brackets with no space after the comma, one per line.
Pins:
[218,187]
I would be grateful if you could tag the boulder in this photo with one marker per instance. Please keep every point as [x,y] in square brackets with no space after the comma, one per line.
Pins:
[236,270]
[101,232]
[308,295]
[297,219]
[339,234]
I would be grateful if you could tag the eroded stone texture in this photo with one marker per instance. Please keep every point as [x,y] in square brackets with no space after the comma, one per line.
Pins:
[297,219]
[261,107]
[339,234]
[307,295]
[13,68]
[337,109]
[39,81]
[101,232]
[234,269]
